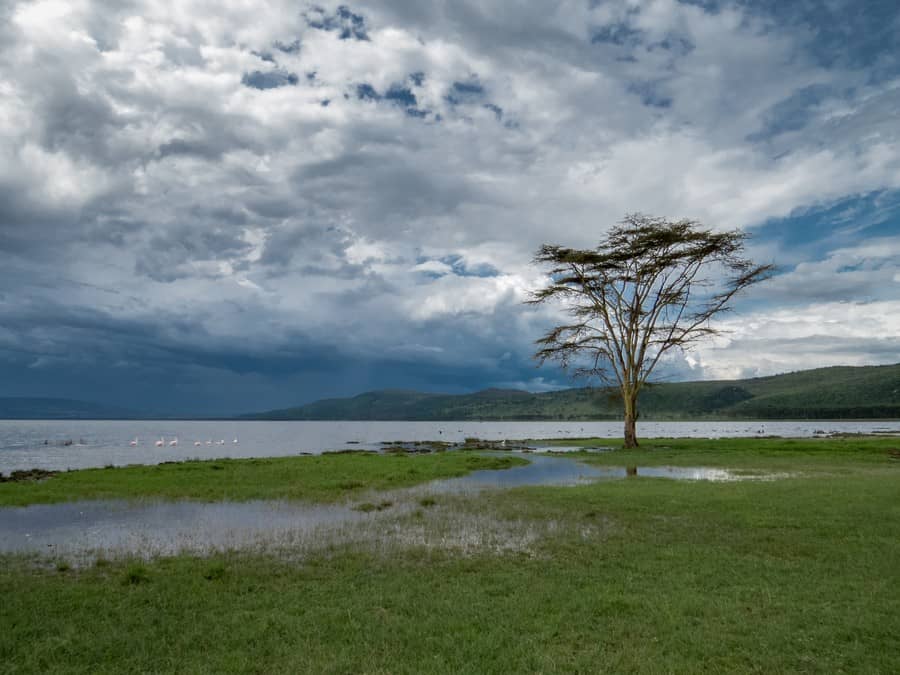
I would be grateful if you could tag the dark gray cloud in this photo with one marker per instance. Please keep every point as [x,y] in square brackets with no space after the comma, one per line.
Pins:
[181,146]
[167,256]
[650,94]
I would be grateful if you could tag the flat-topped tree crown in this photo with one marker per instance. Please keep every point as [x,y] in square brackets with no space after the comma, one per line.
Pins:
[651,285]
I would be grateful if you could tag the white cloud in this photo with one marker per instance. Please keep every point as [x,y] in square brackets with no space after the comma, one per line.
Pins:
[812,336]
[435,267]
[127,133]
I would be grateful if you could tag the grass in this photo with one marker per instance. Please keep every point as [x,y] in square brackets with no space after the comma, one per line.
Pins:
[322,478]
[633,576]
[368,507]
[777,454]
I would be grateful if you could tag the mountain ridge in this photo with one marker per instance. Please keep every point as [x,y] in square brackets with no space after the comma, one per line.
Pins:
[834,392]
[838,392]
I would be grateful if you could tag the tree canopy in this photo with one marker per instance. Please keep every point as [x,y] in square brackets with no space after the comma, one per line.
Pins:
[650,286]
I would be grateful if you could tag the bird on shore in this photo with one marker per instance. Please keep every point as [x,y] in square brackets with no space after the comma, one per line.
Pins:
[161,442]
[197,443]
[134,442]
[174,441]
[235,440]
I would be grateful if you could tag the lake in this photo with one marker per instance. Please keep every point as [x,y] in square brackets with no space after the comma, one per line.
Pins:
[64,444]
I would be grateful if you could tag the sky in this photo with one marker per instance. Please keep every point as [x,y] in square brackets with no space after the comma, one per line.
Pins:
[214,207]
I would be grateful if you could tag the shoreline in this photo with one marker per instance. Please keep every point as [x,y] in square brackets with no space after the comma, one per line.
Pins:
[207,476]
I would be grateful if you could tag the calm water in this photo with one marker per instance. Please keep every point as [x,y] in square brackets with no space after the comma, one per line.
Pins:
[119,527]
[59,444]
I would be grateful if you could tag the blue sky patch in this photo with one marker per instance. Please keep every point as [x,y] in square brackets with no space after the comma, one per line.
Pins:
[287,48]
[271,79]
[810,234]
[264,56]
[840,33]
[619,34]
[454,264]
[465,92]
[793,113]
[348,24]
[462,268]
[366,92]
[400,95]
[397,94]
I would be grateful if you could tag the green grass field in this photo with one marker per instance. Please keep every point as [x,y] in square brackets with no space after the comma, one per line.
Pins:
[632,576]
[848,453]
[322,478]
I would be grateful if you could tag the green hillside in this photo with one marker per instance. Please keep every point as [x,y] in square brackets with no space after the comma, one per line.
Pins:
[842,392]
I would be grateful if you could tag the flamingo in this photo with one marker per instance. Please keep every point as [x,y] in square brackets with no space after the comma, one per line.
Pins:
[197,443]
[134,442]
[174,441]
[161,442]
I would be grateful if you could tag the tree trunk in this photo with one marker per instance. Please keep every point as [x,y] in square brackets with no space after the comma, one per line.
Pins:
[630,432]
[630,420]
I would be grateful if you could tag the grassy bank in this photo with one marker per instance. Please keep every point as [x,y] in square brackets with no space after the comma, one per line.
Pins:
[777,454]
[321,478]
[640,575]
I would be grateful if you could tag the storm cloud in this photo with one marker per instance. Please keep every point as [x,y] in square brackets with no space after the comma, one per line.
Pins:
[267,204]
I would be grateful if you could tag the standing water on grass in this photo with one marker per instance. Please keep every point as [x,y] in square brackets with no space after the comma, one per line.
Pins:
[63,444]
[147,528]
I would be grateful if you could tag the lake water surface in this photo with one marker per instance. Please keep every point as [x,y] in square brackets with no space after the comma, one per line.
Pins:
[63,444]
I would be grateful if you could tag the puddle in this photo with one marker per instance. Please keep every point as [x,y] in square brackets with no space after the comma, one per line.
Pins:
[541,470]
[150,528]
[678,473]
[560,471]
[569,448]
[162,528]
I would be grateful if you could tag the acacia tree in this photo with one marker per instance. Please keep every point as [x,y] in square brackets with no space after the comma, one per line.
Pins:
[650,286]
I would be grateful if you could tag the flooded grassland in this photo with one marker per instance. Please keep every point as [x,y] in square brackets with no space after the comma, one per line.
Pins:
[772,555]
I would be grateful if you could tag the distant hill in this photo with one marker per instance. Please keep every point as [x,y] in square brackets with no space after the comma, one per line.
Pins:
[27,408]
[841,392]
